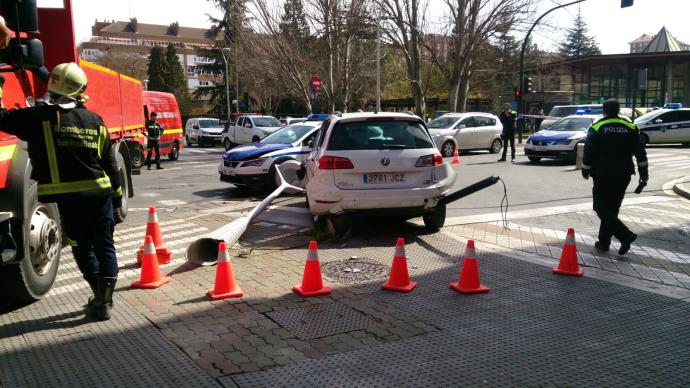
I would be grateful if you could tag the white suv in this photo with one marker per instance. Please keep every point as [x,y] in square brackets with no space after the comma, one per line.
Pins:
[381,163]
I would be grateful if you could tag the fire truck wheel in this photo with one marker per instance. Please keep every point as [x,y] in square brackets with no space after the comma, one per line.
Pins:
[34,275]
[120,214]
[175,153]
[137,158]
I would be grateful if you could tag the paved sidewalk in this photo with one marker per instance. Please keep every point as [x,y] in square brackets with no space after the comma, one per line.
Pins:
[682,187]
[534,328]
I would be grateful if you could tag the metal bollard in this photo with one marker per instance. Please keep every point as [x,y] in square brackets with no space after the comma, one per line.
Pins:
[580,154]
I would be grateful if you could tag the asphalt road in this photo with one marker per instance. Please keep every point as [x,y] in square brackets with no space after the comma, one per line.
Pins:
[194,178]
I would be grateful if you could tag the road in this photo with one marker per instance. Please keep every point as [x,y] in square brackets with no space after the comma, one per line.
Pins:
[550,183]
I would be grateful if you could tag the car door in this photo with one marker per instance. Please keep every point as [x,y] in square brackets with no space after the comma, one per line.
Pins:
[661,131]
[235,135]
[485,131]
[465,133]
[247,130]
[194,131]
[678,130]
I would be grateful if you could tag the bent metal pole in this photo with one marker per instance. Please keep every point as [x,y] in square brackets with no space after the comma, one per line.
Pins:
[204,251]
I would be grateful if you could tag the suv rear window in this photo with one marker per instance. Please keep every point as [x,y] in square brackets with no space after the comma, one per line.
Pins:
[377,135]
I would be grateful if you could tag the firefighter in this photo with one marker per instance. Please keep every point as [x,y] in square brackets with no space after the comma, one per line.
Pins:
[154,131]
[507,118]
[611,143]
[74,164]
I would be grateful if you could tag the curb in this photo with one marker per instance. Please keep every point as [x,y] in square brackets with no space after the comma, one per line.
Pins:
[682,188]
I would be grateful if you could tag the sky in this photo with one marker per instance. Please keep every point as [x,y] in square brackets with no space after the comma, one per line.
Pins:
[612,26]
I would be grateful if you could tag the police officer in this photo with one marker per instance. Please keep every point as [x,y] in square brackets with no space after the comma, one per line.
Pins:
[507,118]
[153,131]
[74,164]
[611,143]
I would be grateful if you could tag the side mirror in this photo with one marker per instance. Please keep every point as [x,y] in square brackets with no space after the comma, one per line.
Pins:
[195,126]
[310,144]
[21,15]
[248,125]
[24,53]
[461,126]
[658,121]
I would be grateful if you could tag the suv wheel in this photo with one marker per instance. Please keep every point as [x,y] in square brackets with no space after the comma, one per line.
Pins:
[534,159]
[228,144]
[435,220]
[255,139]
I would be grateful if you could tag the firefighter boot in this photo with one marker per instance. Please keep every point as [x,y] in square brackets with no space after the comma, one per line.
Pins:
[158,167]
[93,284]
[103,302]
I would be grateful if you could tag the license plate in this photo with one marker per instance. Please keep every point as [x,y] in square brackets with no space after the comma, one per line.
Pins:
[384,178]
[539,148]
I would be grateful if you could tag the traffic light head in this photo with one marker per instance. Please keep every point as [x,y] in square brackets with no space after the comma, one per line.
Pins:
[527,86]
[517,92]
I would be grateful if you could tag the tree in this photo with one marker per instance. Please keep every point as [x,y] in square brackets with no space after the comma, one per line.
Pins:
[176,83]
[293,23]
[156,69]
[133,65]
[577,42]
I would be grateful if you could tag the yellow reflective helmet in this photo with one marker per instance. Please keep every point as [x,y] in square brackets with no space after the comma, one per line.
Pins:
[67,79]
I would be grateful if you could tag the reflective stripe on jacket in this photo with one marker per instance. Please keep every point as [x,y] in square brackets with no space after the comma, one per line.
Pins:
[611,143]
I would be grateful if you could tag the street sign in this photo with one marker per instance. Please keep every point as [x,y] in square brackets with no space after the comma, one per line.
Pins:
[315,83]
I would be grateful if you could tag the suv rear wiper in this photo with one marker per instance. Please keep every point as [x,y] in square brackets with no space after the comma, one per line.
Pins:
[394,146]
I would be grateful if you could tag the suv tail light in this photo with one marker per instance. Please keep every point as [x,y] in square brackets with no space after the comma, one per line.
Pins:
[429,160]
[335,163]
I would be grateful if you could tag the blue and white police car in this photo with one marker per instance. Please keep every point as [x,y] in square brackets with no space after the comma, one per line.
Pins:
[560,140]
[668,125]
[253,165]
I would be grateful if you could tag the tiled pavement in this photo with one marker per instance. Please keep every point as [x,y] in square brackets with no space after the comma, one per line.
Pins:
[533,328]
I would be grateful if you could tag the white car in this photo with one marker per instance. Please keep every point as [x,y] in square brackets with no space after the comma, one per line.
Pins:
[560,140]
[253,165]
[560,111]
[466,131]
[249,129]
[202,131]
[380,163]
[665,126]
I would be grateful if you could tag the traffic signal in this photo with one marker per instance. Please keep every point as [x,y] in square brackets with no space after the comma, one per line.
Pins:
[517,92]
[626,3]
[527,86]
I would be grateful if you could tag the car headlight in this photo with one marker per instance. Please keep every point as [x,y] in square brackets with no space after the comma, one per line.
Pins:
[566,141]
[254,162]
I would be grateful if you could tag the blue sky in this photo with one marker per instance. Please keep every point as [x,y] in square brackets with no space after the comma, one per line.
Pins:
[612,26]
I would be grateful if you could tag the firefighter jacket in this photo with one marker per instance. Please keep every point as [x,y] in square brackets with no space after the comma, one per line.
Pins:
[610,146]
[508,121]
[70,151]
[153,130]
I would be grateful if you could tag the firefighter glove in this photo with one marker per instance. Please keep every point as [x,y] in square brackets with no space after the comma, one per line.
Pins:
[644,173]
[585,173]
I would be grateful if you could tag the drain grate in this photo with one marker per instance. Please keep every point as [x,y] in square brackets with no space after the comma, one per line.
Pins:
[354,270]
[321,320]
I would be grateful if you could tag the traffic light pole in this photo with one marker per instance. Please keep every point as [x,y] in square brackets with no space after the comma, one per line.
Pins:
[521,107]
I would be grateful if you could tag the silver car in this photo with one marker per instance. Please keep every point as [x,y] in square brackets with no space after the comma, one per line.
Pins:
[466,131]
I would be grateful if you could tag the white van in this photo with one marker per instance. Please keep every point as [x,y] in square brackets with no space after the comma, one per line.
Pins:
[203,131]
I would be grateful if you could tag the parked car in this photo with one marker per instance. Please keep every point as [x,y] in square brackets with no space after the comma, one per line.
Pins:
[380,163]
[560,111]
[292,120]
[254,164]
[203,131]
[466,131]
[560,140]
[249,129]
[665,126]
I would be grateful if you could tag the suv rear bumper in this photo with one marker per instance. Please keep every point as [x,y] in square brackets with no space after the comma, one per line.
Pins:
[410,201]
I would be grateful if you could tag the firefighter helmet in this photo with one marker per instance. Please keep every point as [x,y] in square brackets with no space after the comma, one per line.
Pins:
[67,79]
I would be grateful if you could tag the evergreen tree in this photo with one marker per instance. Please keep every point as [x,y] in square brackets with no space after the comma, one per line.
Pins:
[176,83]
[156,70]
[578,43]
[293,23]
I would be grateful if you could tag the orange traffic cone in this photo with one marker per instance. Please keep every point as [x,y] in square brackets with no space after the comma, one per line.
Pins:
[312,283]
[399,279]
[468,283]
[153,230]
[456,156]
[150,273]
[568,264]
[225,286]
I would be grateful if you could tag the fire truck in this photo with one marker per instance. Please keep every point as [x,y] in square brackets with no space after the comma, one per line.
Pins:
[31,236]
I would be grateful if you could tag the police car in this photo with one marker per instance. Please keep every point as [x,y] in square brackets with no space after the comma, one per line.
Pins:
[254,164]
[560,140]
[665,126]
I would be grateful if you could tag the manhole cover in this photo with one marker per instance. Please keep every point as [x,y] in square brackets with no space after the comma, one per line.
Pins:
[354,270]
[321,320]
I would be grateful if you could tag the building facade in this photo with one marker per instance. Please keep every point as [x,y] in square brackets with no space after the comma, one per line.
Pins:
[136,39]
